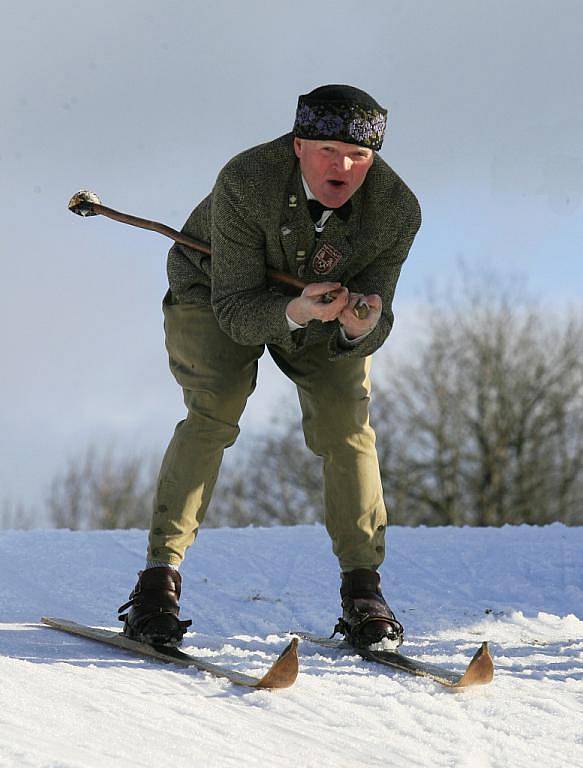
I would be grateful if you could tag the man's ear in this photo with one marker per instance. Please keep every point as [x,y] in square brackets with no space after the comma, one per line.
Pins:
[297,147]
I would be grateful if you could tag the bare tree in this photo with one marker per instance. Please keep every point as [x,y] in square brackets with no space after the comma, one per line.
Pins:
[486,426]
[103,490]
[279,482]
[15,516]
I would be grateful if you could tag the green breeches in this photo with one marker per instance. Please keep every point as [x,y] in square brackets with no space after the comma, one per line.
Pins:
[217,376]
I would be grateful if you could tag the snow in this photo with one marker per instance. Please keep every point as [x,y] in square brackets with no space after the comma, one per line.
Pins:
[66,702]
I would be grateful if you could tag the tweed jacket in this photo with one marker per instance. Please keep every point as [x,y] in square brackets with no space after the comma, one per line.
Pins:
[257,218]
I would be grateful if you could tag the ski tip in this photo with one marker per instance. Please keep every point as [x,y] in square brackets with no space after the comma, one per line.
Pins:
[284,671]
[480,670]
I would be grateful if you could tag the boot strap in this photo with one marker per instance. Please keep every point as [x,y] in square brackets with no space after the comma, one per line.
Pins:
[343,628]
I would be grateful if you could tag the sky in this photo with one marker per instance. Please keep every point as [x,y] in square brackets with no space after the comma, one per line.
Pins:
[144,102]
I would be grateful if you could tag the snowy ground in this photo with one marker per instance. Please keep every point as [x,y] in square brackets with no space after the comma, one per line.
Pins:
[66,702]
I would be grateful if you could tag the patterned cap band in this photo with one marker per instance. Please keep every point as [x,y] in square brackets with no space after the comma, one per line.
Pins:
[341,113]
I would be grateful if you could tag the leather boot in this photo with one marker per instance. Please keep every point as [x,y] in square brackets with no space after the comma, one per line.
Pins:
[153,608]
[366,617]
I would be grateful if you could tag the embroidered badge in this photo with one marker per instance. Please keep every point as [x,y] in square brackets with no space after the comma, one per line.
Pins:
[292,201]
[326,259]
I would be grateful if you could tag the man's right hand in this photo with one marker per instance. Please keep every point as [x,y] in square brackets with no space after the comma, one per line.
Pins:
[309,306]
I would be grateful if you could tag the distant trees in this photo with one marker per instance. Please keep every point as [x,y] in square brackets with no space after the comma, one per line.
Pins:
[277,483]
[103,490]
[485,425]
[481,424]
[15,515]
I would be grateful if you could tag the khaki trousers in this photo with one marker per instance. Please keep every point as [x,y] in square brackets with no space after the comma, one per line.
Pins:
[217,376]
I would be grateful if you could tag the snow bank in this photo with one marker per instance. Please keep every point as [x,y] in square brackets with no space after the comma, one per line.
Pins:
[67,702]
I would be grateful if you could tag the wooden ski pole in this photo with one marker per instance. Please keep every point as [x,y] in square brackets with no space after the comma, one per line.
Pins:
[86,203]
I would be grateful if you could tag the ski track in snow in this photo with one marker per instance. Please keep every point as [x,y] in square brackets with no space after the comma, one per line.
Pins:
[66,702]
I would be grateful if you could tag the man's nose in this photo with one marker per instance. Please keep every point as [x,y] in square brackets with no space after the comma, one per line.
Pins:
[344,163]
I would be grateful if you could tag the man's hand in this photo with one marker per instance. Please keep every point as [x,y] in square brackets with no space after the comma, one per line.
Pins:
[309,306]
[353,327]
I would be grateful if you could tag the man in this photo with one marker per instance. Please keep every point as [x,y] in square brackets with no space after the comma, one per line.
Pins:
[320,205]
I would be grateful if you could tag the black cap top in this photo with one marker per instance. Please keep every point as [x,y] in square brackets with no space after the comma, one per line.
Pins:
[341,113]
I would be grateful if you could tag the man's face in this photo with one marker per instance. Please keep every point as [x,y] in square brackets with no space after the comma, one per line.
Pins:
[334,170]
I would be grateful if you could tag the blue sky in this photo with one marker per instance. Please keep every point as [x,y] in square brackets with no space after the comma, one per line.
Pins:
[144,102]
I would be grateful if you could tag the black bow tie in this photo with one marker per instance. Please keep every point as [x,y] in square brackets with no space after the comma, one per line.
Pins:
[317,209]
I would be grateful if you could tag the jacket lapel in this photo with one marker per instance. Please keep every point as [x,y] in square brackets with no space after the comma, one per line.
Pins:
[323,259]
[296,230]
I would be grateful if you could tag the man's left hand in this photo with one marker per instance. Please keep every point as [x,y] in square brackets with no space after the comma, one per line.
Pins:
[353,327]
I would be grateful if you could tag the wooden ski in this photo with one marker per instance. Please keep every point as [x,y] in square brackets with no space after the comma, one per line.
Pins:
[282,673]
[479,671]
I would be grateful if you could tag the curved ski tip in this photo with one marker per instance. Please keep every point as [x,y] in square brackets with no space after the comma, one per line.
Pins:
[480,670]
[284,671]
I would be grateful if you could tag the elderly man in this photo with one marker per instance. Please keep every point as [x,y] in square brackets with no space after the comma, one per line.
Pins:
[321,205]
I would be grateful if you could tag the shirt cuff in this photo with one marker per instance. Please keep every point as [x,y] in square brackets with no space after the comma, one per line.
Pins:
[292,325]
[351,342]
